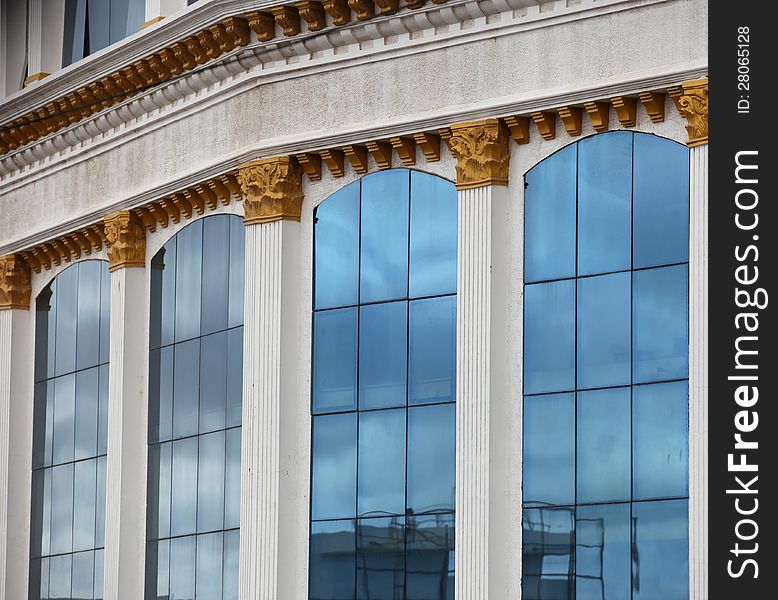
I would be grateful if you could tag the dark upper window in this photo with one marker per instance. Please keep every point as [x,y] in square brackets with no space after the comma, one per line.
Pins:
[195,404]
[70,441]
[605,482]
[382,498]
[91,25]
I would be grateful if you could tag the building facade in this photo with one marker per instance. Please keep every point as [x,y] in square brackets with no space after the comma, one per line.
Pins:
[353,299]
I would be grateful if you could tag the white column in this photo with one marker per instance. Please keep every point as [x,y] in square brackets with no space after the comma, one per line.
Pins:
[488,510]
[16,401]
[125,514]
[274,504]
[157,9]
[34,36]
[698,373]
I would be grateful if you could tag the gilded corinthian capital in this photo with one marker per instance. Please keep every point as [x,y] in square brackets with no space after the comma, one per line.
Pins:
[482,153]
[691,100]
[272,190]
[14,282]
[126,240]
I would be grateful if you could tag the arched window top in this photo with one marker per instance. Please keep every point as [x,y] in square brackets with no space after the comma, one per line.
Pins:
[388,236]
[610,202]
[72,325]
[197,281]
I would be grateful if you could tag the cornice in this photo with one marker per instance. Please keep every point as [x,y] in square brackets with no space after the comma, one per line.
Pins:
[248,65]
[221,182]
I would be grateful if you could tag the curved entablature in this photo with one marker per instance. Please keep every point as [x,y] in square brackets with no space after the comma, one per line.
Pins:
[463,140]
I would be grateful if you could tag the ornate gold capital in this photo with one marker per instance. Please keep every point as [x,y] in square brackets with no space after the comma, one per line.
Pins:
[482,153]
[126,240]
[14,282]
[691,100]
[272,188]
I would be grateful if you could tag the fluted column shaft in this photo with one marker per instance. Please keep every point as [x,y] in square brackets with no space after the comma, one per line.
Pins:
[125,496]
[271,513]
[698,373]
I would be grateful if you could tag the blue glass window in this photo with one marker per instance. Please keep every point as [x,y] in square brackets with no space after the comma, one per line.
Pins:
[70,420]
[549,337]
[383,393]
[195,399]
[91,25]
[605,462]
[549,217]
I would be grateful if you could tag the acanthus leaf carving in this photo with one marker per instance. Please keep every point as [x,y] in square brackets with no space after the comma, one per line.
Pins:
[272,188]
[126,239]
[482,153]
[14,282]
[691,100]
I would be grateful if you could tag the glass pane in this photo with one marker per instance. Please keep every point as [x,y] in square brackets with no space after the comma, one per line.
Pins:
[660,567]
[604,203]
[168,294]
[100,505]
[159,490]
[431,458]
[549,337]
[36,513]
[602,552]
[75,19]
[102,411]
[604,351]
[210,482]
[64,418]
[209,566]
[42,334]
[429,547]
[549,217]
[547,554]
[182,568]
[185,388]
[51,328]
[157,569]
[126,18]
[86,413]
[234,376]
[62,509]
[88,333]
[549,449]
[232,480]
[105,311]
[384,260]
[335,360]
[603,445]
[216,259]
[184,491]
[334,487]
[337,249]
[59,576]
[661,204]
[432,350]
[383,351]
[161,394]
[660,450]
[231,558]
[98,585]
[433,266]
[35,592]
[213,381]
[99,27]
[660,324]
[333,560]
[381,558]
[84,505]
[83,575]
[189,250]
[237,271]
[67,302]
[40,424]
[381,479]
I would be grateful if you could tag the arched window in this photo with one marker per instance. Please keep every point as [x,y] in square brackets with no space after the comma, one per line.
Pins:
[70,419]
[91,25]
[605,483]
[195,404]
[384,372]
